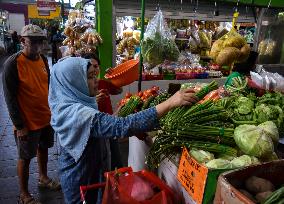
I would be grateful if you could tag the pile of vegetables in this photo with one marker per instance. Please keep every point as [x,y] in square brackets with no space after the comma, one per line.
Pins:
[231,48]
[140,101]
[232,129]
[260,190]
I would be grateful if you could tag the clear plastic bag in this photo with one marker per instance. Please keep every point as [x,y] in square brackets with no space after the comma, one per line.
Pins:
[267,80]
[158,45]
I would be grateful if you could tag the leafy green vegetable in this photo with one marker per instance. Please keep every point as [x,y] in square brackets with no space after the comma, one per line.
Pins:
[265,113]
[201,156]
[253,141]
[271,130]
[158,49]
[243,161]
[244,105]
[219,164]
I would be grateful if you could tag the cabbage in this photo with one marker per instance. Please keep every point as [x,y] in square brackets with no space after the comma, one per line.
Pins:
[243,161]
[201,156]
[219,164]
[253,141]
[271,130]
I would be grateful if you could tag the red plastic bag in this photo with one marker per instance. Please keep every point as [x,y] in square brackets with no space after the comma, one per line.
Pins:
[122,187]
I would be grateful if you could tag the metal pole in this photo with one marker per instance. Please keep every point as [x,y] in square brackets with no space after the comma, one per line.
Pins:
[141,40]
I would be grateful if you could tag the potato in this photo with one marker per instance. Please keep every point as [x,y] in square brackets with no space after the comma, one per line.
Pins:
[247,194]
[258,185]
[245,51]
[228,55]
[260,197]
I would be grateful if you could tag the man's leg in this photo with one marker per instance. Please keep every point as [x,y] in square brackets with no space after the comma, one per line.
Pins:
[23,174]
[46,141]
[42,159]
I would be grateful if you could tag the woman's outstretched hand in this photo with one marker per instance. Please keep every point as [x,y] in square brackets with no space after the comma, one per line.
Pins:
[180,98]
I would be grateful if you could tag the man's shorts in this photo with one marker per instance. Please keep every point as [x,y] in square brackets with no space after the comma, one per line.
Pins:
[42,138]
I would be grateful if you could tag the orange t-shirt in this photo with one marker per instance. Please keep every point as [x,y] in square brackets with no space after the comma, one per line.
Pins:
[33,92]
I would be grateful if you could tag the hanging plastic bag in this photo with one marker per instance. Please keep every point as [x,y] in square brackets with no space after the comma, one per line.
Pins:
[157,45]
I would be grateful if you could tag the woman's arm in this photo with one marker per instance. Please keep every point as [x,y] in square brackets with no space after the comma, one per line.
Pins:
[108,126]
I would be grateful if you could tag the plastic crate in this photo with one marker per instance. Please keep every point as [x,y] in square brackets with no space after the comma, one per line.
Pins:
[182,76]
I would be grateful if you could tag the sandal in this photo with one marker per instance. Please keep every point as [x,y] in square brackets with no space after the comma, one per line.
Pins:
[28,200]
[50,184]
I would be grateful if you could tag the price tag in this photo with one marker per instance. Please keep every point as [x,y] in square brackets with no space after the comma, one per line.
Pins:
[192,176]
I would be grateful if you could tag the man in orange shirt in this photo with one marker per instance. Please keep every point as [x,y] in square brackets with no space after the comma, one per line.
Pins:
[25,84]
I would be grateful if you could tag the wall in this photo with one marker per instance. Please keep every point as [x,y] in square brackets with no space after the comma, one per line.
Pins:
[16,8]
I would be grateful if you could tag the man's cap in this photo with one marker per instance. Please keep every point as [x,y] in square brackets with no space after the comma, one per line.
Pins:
[32,31]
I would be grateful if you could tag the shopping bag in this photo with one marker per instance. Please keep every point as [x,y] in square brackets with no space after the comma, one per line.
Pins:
[127,187]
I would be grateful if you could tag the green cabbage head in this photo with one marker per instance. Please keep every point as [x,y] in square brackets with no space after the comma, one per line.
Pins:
[253,141]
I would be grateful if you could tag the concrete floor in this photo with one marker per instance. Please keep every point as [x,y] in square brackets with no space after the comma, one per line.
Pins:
[9,188]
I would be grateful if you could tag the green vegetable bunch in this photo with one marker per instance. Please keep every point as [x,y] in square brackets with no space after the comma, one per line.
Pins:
[158,49]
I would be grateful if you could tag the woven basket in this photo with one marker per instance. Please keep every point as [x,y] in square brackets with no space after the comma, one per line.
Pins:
[124,74]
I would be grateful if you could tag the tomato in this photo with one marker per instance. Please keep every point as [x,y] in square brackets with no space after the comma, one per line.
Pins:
[140,94]
[128,95]
[156,88]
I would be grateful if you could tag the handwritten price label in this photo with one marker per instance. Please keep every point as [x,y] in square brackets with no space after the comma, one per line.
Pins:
[192,176]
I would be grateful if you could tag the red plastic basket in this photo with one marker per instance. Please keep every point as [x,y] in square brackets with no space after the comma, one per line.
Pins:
[146,174]
[124,74]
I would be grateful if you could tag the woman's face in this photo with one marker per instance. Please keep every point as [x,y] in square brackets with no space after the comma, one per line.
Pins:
[93,72]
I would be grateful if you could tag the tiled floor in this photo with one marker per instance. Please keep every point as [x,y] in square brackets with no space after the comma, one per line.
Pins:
[9,189]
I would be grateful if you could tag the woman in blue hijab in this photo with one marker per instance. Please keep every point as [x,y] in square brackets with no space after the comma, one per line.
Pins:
[81,129]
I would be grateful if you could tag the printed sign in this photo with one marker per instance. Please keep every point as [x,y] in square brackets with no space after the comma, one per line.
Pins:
[46,5]
[192,176]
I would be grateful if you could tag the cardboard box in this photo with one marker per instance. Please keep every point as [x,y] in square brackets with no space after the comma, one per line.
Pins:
[229,182]
[199,181]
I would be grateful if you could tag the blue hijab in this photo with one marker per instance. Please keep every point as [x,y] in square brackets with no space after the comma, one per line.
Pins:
[72,109]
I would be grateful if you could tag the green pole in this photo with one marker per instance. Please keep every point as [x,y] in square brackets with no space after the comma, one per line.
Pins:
[104,28]
[141,40]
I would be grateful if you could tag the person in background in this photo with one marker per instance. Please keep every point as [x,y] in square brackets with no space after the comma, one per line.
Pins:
[243,69]
[25,85]
[105,89]
[15,41]
[56,40]
[82,129]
